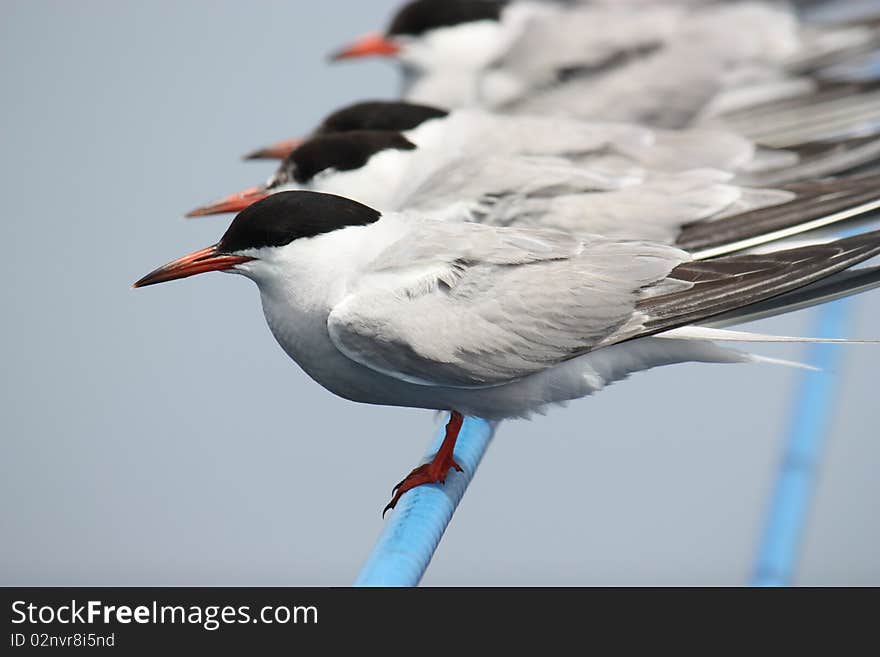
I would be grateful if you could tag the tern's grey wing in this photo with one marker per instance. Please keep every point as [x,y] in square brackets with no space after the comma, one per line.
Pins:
[704,215]
[652,206]
[484,181]
[589,142]
[660,65]
[656,209]
[495,189]
[480,131]
[557,43]
[830,111]
[469,306]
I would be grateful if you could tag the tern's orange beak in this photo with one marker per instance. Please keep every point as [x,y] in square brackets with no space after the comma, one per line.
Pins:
[278,151]
[209,259]
[232,203]
[367,46]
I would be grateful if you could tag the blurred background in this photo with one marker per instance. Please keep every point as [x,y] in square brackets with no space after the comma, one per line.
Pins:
[161,437]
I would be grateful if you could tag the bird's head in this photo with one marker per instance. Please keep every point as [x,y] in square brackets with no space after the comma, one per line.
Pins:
[393,115]
[312,163]
[427,34]
[262,232]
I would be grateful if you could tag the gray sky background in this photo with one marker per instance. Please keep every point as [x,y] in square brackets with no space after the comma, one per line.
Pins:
[161,436]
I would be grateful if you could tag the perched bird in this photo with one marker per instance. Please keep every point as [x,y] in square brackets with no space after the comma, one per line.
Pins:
[671,63]
[399,310]
[473,130]
[472,155]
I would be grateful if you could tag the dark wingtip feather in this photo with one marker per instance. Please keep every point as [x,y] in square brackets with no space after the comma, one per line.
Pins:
[727,284]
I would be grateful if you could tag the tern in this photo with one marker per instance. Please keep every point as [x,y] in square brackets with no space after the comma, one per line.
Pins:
[395,309]
[669,63]
[469,130]
[478,158]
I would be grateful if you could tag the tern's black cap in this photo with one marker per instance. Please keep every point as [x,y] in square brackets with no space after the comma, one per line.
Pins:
[287,216]
[380,115]
[339,151]
[421,16]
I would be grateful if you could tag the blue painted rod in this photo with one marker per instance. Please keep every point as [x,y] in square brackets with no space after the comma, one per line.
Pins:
[415,527]
[813,413]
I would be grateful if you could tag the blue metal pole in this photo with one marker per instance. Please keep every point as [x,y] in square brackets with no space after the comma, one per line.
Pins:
[415,527]
[812,416]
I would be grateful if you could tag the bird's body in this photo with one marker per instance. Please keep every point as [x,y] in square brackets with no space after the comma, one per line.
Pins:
[614,195]
[473,132]
[496,322]
[315,311]
[671,64]
[481,167]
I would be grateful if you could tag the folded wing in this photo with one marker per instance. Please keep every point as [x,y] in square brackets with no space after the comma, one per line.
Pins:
[482,307]
[479,307]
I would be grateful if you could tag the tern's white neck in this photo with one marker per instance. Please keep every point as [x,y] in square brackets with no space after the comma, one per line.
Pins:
[310,275]
[378,183]
[390,176]
[445,66]
[301,283]
[468,47]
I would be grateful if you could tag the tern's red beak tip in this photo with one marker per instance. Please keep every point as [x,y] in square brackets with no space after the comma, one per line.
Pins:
[371,45]
[143,282]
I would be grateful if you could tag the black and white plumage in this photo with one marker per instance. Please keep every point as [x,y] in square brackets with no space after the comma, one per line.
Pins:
[495,322]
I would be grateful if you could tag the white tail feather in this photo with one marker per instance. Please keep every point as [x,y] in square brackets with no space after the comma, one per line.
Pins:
[755,358]
[723,335]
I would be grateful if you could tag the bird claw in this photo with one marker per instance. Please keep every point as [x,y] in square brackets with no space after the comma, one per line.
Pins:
[434,472]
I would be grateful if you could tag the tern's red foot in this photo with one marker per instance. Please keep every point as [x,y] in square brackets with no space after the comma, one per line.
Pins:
[437,470]
[429,473]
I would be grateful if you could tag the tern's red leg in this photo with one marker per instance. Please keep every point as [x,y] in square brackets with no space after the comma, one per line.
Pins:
[436,471]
